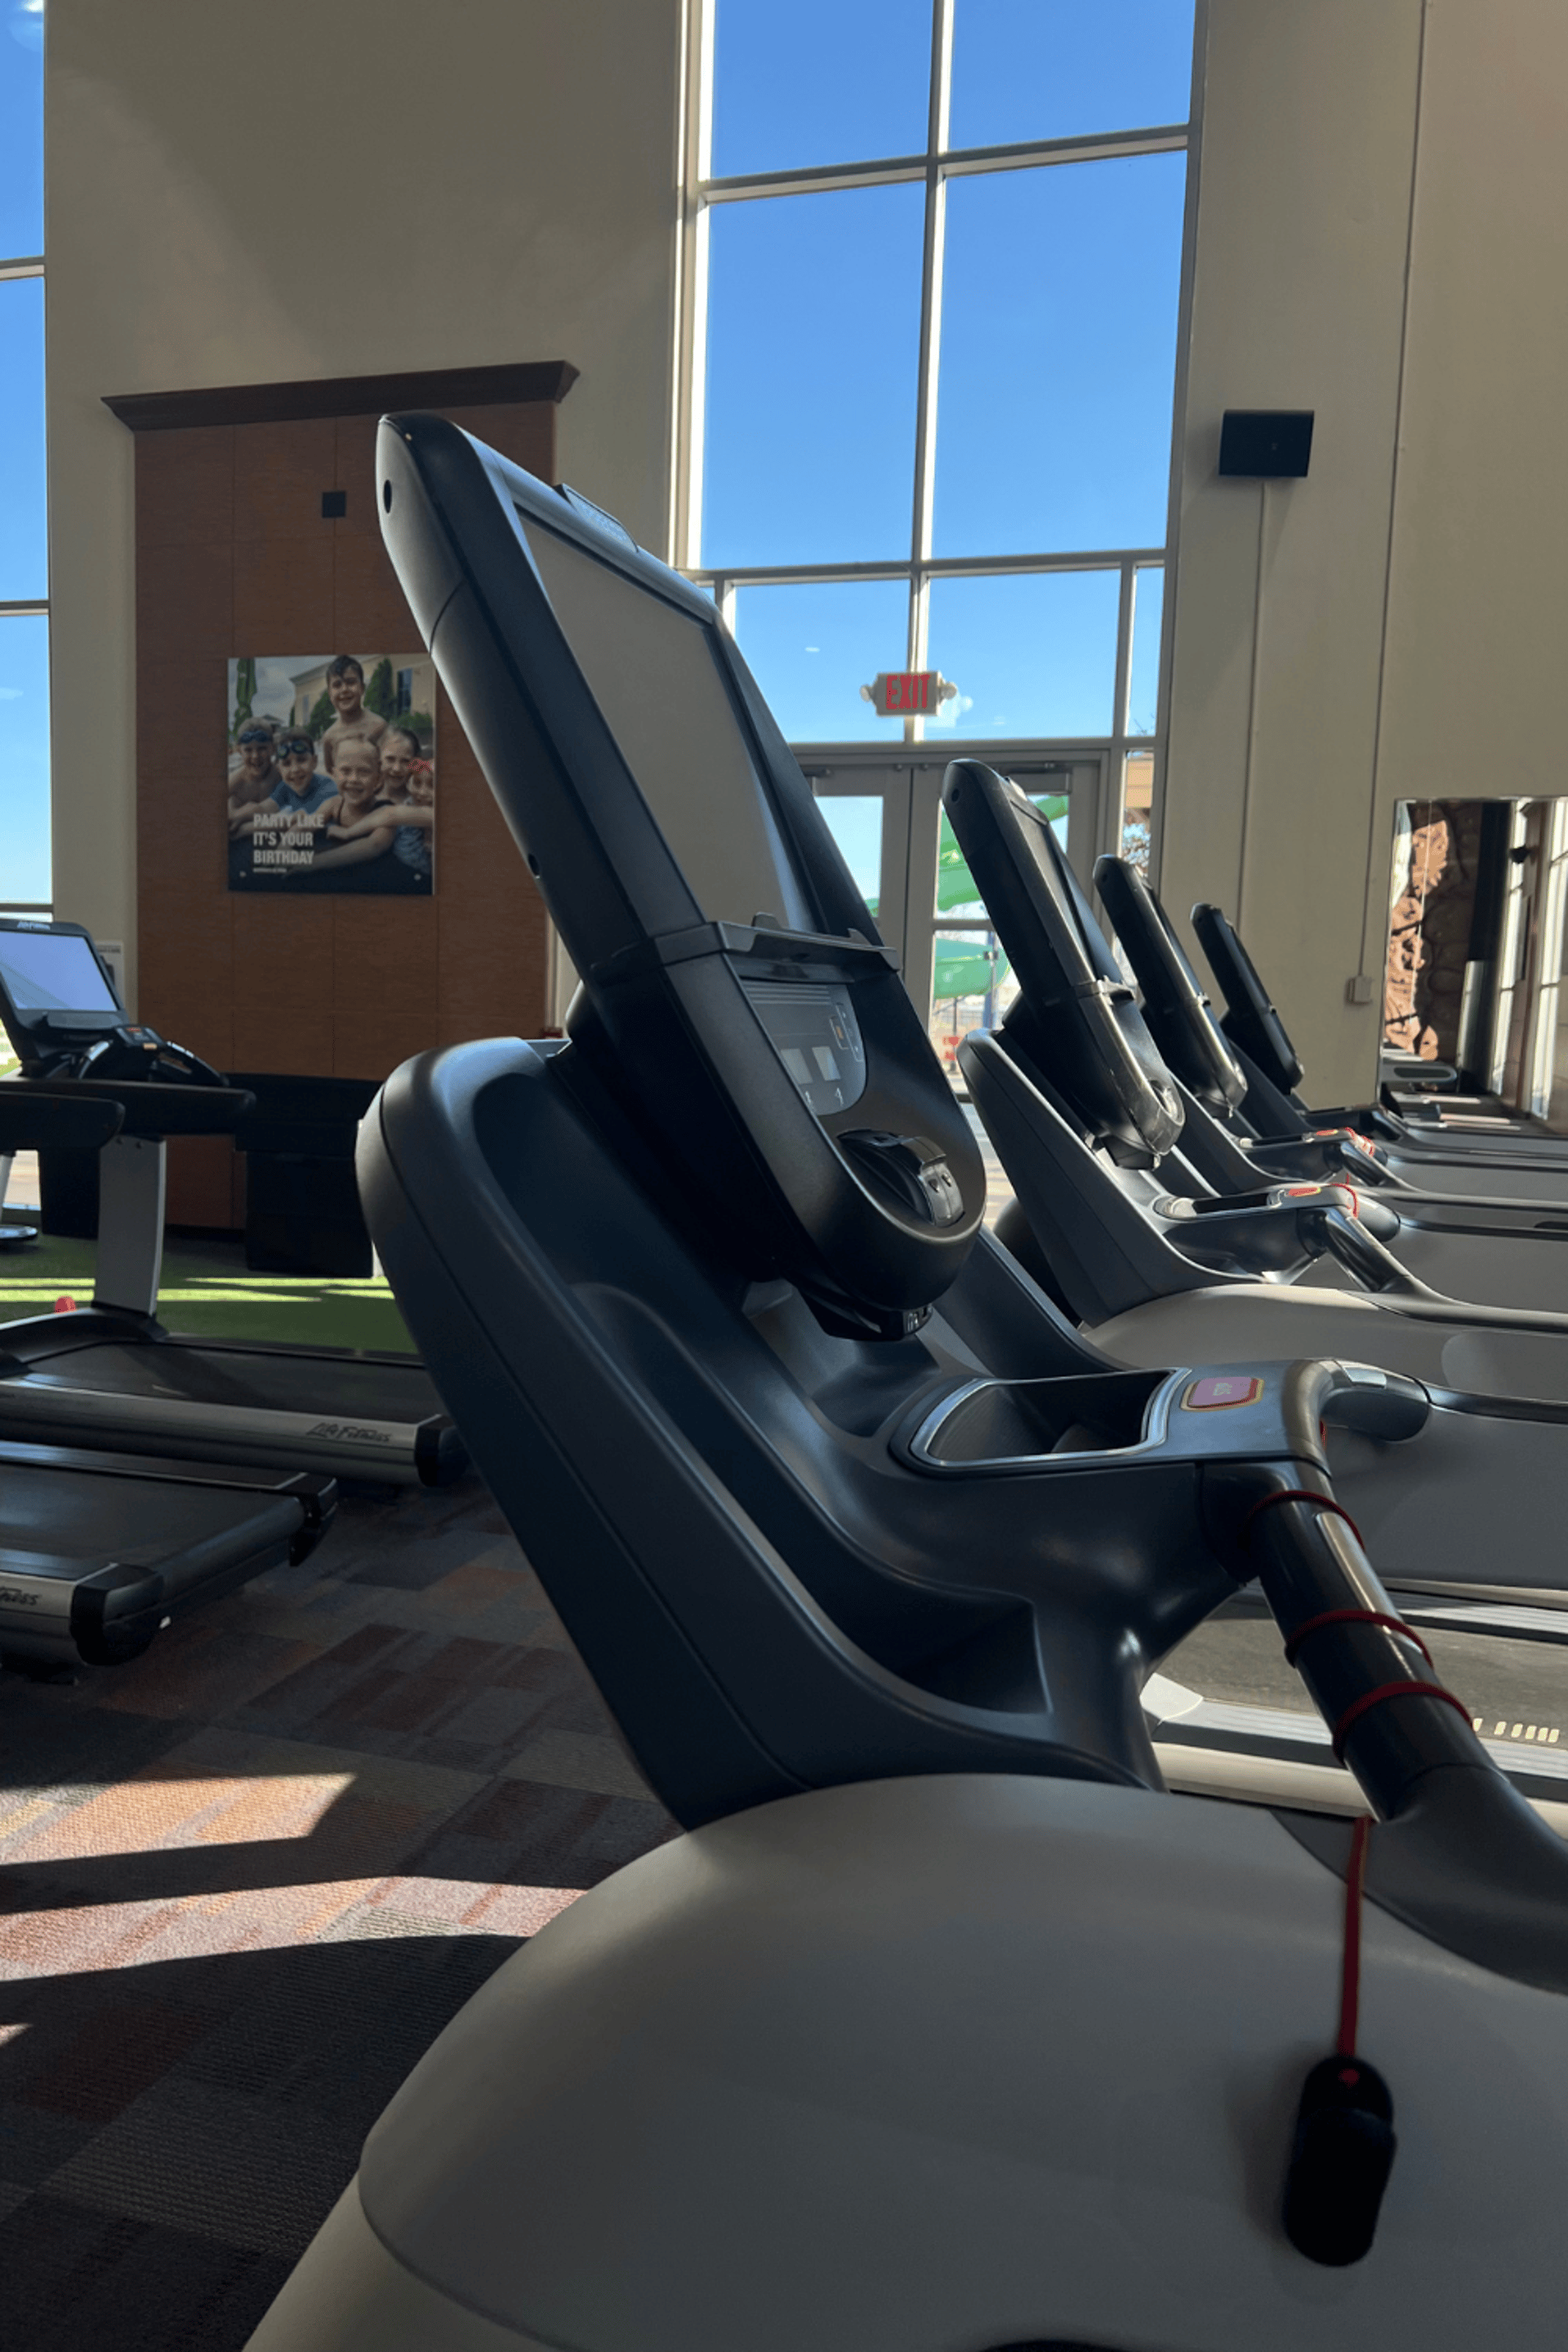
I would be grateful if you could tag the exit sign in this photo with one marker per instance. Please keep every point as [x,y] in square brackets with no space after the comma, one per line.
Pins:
[906,693]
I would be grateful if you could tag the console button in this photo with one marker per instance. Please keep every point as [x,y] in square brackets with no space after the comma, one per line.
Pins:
[1214,1395]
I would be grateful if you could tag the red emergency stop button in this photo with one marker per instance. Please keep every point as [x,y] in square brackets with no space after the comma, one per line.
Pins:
[1214,1395]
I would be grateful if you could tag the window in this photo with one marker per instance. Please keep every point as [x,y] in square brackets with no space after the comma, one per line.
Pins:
[25,877]
[931,292]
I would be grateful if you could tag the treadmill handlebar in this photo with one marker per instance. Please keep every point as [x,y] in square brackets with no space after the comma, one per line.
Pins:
[152,1110]
[1363,1397]
[1362,1252]
[1462,1857]
[36,1119]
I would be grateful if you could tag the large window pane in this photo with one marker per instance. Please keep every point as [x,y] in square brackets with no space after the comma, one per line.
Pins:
[24,555]
[811,649]
[1056,69]
[1031,655]
[21,129]
[855,821]
[1059,349]
[971,987]
[812,343]
[1143,671]
[819,81]
[24,761]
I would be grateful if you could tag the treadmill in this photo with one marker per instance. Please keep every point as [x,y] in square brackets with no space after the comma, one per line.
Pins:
[945,2027]
[1504,1252]
[110,1375]
[1442,1150]
[101,1552]
[1086,1118]
[600,689]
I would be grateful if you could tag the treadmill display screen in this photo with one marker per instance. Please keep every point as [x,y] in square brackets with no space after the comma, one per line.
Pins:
[816,1037]
[654,672]
[53,971]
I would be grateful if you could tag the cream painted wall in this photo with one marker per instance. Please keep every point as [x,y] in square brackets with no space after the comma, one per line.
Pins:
[1479,602]
[1393,631]
[240,191]
[1298,292]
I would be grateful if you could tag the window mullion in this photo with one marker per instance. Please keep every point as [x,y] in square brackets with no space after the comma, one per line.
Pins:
[1124,625]
[931,339]
[694,393]
[701,94]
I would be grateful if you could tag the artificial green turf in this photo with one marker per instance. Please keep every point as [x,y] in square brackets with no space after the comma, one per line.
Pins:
[207,1291]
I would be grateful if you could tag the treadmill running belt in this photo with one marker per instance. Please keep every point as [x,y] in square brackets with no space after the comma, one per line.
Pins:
[283,1381]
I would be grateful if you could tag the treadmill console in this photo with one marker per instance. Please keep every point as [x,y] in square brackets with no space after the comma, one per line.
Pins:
[695,886]
[1251,1020]
[815,1036]
[63,1018]
[1075,1018]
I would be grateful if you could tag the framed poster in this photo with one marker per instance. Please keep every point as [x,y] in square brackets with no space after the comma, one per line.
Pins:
[331,774]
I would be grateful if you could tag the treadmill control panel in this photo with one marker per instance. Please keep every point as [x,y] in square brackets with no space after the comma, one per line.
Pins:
[812,1029]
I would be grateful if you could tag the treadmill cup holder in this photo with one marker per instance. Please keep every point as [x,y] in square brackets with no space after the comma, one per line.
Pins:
[995,1425]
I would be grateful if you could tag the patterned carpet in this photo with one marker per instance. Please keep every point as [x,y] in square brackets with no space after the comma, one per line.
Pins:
[244,1884]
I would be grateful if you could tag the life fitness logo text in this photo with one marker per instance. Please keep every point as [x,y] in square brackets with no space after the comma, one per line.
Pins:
[339,1431]
[14,1596]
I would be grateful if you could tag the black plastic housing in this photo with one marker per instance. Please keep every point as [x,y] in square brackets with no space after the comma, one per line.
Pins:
[41,1035]
[1180,1017]
[668,1012]
[1250,1019]
[1078,1018]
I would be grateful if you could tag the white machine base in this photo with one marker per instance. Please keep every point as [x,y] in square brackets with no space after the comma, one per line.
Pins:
[945,2065]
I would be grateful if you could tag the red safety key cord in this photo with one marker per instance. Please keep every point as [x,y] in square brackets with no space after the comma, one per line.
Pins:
[1349,1971]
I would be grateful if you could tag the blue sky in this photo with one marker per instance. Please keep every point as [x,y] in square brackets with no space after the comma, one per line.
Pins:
[21,129]
[1059,318]
[833,81]
[23,642]
[24,552]
[23,760]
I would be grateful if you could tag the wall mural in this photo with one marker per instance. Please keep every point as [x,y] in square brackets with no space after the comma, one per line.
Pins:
[331,774]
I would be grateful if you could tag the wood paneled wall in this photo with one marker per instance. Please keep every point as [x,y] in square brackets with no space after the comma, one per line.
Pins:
[233,557]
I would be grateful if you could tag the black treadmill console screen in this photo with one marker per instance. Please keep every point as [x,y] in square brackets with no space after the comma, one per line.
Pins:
[53,971]
[654,672]
[1035,828]
[815,1036]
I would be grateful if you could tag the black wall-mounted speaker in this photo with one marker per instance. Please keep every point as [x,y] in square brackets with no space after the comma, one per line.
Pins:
[1266,444]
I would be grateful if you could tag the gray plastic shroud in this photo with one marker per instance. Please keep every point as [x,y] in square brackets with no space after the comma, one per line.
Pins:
[718,1494]
[965,2061]
[1122,1276]
[1496,1251]
[778,1574]
[1514,1166]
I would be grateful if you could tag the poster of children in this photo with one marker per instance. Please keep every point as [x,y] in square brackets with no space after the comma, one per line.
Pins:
[331,774]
